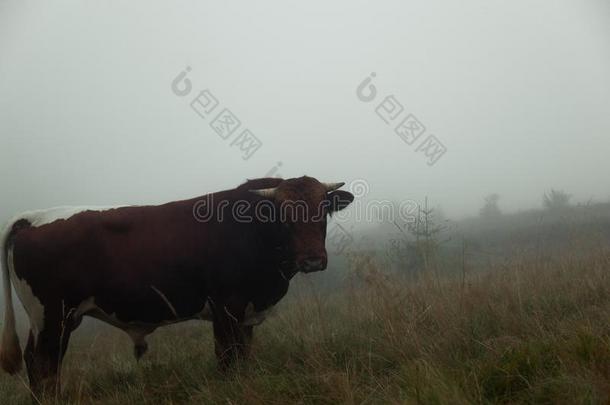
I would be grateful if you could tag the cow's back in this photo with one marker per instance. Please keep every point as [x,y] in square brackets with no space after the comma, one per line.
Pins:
[123,254]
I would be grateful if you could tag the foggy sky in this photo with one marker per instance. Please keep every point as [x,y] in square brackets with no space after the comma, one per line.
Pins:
[518,92]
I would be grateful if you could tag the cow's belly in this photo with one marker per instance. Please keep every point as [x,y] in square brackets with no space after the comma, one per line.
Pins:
[90,307]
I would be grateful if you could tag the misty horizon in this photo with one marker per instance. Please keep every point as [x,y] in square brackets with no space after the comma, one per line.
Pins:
[519,111]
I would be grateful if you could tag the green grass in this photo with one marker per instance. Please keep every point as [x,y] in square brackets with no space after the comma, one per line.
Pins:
[528,331]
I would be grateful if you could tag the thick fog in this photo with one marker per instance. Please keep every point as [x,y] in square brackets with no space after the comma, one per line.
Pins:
[518,93]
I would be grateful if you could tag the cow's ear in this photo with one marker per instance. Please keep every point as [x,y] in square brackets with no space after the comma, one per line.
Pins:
[339,199]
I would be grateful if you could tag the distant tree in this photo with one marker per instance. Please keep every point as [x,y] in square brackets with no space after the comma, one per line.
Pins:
[490,208]
[418,247]
[556,200]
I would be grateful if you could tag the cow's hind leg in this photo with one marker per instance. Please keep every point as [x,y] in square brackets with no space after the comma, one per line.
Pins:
[44,353]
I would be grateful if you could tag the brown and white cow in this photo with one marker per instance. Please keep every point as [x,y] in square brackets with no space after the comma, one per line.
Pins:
[142,267]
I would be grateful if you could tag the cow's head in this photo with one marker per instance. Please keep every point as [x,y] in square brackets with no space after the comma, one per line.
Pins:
[302,207]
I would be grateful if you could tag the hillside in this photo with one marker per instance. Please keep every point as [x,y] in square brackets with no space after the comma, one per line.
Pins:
[526,331]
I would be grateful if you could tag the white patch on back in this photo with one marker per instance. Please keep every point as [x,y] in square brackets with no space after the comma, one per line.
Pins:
[31,303]
[43,217]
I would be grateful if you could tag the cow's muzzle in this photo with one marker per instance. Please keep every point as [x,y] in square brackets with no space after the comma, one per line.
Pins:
[311,264]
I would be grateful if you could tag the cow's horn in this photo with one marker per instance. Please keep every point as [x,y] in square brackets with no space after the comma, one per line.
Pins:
[333,186]
[265,192]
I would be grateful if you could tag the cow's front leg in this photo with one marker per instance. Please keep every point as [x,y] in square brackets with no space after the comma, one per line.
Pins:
[232,339]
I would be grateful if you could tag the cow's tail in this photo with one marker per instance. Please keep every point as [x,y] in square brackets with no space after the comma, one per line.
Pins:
[10,350]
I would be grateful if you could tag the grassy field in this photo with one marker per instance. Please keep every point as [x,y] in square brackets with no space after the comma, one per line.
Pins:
[525,331]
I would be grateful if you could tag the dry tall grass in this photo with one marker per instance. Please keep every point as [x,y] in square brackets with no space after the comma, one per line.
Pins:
[525,331]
